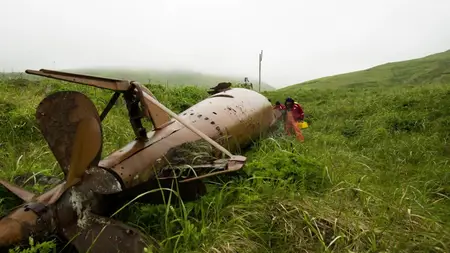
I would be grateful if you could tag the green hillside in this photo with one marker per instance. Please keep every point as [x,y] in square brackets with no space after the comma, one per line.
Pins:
[372,175]
[430,69]
[168,77]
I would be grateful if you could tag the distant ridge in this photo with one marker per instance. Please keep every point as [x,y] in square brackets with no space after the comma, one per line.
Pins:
[433,68]
[170,77]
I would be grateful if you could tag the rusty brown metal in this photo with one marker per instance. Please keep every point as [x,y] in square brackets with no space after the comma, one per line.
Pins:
[18,191]
[224,123]
[86,147]
[58,116]
[158,116]
[14,226]
[27,220]
[99,82]
[242,116]
[82,218]
[105,235]
[202,171]
[50,196]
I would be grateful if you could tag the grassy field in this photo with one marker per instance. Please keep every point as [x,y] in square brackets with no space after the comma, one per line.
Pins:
[372,175]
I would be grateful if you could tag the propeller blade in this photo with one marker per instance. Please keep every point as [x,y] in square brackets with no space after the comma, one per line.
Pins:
[18,191]
[105,235]
[87,144]
[22,222]
[58,116]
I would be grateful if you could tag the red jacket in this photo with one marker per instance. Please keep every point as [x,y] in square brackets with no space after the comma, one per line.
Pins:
[297,112]
[279,107]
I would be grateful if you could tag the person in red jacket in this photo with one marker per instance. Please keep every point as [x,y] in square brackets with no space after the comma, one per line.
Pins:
[297,110]
[279,106]
[294,115]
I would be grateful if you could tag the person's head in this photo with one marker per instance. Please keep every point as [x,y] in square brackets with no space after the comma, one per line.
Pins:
[277,103]
[289,102]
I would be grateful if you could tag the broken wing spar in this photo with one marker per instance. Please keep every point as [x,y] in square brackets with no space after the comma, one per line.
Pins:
[95,188]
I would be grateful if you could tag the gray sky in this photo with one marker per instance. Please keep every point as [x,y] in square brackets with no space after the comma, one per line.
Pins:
[301,39]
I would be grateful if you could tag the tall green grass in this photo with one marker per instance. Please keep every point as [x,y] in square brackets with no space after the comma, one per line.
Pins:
[372,175]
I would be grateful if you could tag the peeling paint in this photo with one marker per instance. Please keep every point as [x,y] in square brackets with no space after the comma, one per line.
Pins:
[117,187]
[77,199]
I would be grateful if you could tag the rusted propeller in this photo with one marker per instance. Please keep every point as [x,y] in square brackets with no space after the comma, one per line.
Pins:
[16,227]
[58,116]
[105,235]
[85,147]
[77,146]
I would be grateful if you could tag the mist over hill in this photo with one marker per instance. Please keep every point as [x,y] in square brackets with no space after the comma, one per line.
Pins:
[169,77]
[154,76]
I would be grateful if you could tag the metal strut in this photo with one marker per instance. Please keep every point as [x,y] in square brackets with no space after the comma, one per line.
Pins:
[110,104]
[135,114]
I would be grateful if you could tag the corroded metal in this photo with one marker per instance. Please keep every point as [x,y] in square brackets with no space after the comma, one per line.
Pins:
[240,114]
[158,117]
[99,82]
[58,116]
[224,123]
[18,191]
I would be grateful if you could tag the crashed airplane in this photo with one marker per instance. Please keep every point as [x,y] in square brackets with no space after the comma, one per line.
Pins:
[77,209]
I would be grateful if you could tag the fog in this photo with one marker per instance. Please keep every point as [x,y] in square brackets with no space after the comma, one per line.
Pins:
[302,40]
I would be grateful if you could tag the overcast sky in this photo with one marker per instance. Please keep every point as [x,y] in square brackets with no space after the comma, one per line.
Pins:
[301,39]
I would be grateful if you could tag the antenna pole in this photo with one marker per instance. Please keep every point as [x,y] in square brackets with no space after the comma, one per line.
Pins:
[260,60]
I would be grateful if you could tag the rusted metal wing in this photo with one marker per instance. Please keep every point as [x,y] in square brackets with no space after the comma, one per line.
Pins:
[158,117]
[99,82]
